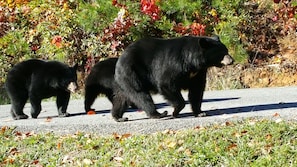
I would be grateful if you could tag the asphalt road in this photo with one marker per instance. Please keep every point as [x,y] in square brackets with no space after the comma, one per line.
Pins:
[220,106]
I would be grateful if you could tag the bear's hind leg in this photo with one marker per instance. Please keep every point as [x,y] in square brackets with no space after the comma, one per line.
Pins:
[62,103]
[135,91]
[119,105]
[17,110]
[144,101]
[18,102]
[175,98]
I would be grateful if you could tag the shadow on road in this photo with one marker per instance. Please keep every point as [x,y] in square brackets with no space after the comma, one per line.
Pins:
[251,108]
[162,105]
[158,106]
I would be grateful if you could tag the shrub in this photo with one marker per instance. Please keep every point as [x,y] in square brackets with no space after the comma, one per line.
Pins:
[88,31]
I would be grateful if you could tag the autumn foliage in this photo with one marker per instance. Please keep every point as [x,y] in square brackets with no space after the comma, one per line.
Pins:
[87,31]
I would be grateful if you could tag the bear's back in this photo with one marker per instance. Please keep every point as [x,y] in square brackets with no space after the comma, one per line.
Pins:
[25,69]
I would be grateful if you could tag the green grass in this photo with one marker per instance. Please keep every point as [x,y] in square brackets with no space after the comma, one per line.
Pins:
[245,143]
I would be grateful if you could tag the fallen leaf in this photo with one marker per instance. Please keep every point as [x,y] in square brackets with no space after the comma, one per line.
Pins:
[132,163]
[91,112]
[126,135]
[13,151]
[244,132]
[276,114]
[48,119]
[17,133]
[180,142]
[236,134]
[228,123]
[28,134]
[197,127]
[3,129]
[268,136]
[35,162]
[96,147]
[188,152]
[59,145]
[232,146]
[169,131]
[121,137]
[9,161]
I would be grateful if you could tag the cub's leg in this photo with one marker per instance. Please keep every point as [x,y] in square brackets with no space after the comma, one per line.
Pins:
[62,103]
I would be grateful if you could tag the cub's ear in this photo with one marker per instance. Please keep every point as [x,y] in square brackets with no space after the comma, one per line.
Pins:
[204,43]
[216,38]
[75,67]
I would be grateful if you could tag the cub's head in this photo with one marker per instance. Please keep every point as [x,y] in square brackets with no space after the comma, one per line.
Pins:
[72,79]
[63,76]
[215,52]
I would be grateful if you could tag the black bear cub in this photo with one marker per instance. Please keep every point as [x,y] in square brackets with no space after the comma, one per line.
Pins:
[36,80]
[167,66]
[101,81]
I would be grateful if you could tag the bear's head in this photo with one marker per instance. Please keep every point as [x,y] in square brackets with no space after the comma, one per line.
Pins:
[63,77]
[71,80]
[215,53]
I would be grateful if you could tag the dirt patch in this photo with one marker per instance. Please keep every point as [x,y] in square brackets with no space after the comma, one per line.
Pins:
[239,76]
[269,76]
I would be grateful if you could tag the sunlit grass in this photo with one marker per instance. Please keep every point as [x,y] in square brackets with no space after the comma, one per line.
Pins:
[248,143]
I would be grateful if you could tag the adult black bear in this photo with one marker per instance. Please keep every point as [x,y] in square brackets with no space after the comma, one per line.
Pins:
[37,80]
[167,66]
[101,81]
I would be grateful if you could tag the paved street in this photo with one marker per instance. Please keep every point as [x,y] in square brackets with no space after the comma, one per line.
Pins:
[221,106]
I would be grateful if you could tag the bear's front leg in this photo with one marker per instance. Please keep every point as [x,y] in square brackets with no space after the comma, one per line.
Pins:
[62,103]
[196,90]
[91,93]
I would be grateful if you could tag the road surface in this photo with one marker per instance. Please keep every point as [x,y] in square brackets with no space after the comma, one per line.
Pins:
[220,106]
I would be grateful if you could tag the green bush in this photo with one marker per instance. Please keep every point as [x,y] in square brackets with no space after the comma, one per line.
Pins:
[87,31]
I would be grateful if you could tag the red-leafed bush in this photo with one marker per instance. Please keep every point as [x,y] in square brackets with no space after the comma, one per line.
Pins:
[150,8]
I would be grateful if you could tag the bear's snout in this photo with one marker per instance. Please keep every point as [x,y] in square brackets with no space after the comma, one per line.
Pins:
[72,87]
[227,60]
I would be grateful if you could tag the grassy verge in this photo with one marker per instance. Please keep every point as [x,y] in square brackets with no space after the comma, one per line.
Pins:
[247,143]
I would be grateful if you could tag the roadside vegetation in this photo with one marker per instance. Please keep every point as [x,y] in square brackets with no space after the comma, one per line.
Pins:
[260,34]
[253,142]
[257,33]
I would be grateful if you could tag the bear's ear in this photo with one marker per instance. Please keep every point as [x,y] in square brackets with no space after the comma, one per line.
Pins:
[204,43]
[75,67]
[216,38]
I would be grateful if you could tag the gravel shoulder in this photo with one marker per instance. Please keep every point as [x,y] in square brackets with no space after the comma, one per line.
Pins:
[220,106]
